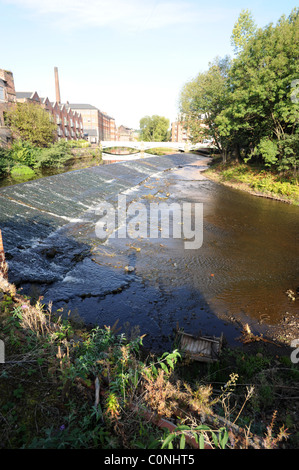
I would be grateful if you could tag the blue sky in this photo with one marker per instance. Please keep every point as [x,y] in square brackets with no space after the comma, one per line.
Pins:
[129,58]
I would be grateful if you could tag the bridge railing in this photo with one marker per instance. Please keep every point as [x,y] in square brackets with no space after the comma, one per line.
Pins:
[104,144]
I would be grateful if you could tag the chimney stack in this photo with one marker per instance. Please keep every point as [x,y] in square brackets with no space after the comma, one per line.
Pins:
[57,85]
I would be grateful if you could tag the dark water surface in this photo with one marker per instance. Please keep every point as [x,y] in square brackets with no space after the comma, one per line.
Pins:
[248,259]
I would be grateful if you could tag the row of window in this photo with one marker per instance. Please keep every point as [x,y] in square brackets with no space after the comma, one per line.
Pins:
[70,123]
[66,132]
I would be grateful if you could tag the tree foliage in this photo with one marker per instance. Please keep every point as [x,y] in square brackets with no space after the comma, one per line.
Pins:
[203,98]
[243,30]
[249,101]
[154,129]
[31,123]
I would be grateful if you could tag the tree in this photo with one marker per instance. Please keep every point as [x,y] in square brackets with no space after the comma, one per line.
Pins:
[154,129]
[250,103]
[201,101]
[261,108]
[31,123]
[243,30]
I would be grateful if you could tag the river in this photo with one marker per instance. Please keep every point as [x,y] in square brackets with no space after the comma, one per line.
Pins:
[240,274]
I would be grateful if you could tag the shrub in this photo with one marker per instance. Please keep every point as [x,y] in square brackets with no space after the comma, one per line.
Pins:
[81,143]
[30,122]
[5,161]
[23,152]
[55,155]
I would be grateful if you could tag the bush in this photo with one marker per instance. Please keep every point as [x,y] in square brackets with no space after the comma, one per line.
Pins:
[55,155]
[5,161]
[24,152]
[82,143]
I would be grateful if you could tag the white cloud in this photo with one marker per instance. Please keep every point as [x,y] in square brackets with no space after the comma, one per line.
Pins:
[131,15]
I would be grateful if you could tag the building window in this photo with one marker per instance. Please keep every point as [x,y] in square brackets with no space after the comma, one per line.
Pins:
[1,93]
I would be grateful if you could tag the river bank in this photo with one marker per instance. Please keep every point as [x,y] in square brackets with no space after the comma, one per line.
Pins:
[66,386]
[53,365]
[256,181]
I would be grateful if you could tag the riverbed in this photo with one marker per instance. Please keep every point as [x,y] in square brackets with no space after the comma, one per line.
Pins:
[241,273]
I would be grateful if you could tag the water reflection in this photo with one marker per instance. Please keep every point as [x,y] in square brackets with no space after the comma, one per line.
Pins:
[249,258]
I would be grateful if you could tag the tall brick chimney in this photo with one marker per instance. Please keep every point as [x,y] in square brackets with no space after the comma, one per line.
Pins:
[57,85]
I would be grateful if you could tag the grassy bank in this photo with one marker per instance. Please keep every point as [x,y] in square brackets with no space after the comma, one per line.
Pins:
[256,180]
[67,386]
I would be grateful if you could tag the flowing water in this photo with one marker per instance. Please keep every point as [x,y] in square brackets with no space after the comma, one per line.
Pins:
[247,261]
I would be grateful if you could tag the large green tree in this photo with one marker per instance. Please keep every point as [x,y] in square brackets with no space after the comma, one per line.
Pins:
[31,123]
[201,101]
[260,109]
[248,102]
[154,129]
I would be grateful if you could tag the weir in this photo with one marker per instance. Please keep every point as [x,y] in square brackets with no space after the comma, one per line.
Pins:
[240,274]
[32,211]
[53,253]
[46,223]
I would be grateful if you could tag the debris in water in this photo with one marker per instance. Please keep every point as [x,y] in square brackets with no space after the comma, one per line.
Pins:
[249,337]
[200,348]
[291,294]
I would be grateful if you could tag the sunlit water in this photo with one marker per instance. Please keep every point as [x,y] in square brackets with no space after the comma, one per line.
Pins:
[248,259]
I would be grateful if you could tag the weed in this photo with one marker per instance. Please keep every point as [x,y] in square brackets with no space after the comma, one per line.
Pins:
[65,387]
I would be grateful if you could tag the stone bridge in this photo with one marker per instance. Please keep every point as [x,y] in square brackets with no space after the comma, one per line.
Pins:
[143,146]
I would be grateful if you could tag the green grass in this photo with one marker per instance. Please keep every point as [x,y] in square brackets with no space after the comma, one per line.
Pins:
[259,180]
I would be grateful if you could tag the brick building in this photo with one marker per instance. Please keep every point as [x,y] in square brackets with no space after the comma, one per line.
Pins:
[109,127]
[73,121]
[126,134]
[7,98]
[69,123]
[97,125]
[179,133]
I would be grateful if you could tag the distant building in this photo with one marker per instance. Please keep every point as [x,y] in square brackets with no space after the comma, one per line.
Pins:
[126,134]
[69,123]
[73,121]
[179,133]
[90,119]
[7,98]
[97,125]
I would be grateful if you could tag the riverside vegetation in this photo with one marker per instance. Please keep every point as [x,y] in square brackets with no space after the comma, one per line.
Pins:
[23,160]
[66,386]
[248,105]
[256,179]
